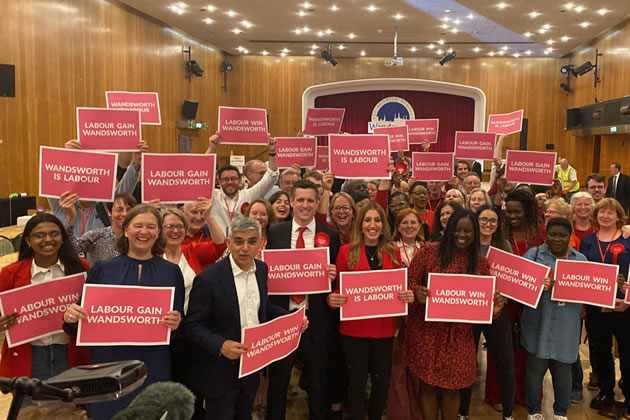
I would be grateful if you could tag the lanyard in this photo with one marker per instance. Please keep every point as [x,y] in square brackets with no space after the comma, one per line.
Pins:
[518,250]
[438,204]
[262,246]
[404,248]
[599,245]
[84,219]
[227,208]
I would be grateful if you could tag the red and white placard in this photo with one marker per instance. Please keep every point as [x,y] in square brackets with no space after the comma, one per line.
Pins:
[301,151]
[506,123]
[243,125]
[372,294]
[398,137]
[322,163]
[471,145]
[585,282]
[147,103]
[432,166]
[530,167]
[297,271]
[423,131]
[460,298]
[359,156]
[114,130]
[323,121]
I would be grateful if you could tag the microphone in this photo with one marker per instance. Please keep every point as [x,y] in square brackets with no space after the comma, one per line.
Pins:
[160,400]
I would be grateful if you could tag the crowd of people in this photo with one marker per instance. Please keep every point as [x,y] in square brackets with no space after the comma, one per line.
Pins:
[210,251]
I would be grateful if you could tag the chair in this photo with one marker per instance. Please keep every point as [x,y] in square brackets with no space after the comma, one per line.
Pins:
[17,242]
[6,247]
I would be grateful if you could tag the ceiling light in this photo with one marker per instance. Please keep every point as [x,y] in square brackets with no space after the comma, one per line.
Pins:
[491,53]
[585,24]
[208,21]
[441,42]
[413,49]
[471,16]
[320,33]
[314,46]
[341,47]
[283,54]
[534,15]
[334,8]
[371,8]
[501,5]
[312,52]
[546,26]
[579,9]
[362,53]
[230,13]
[236,31]
[265,52]
[398,16]
[328,31]
[602,11]
[505,48]
[307,5]
[444,26]
[285,50]
[569,6]
[454,30]
[210,8]
[528,52]
[302,13]
[501,52]
[476,49]
[542,30]
[583,69]
[447,11]
[547,52]
[446,18]
[448,57]
[440,52]
[516,55]
[565,38]
[246,24]
[240,49]
[352,36]
[550,42]
[306,29]
[245,51]
[430,46]
[457,21]
[527,34]
[177,8]
[181,5]
[298,31]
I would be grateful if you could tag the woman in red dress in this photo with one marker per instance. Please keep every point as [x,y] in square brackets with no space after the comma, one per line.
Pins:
[443,354]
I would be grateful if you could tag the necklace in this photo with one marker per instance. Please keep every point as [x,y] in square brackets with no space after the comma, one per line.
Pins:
[371,257]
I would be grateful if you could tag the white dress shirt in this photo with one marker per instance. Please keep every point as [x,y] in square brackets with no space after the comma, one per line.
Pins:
[189,275]
[309,242]
[247,293]
[40,275]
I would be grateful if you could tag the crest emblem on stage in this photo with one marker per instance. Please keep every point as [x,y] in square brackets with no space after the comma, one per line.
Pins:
[391,111]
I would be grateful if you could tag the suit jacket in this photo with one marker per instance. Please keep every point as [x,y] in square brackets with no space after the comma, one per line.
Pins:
[320,316]
[623,191]
[213,317]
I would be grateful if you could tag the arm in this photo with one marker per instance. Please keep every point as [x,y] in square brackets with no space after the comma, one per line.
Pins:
[324,201]
[268,180]
[213,141]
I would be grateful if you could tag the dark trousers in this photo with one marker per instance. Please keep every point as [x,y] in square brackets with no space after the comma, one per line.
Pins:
[577,376]
[601,328]
[314,351]
[560,379]
[181,370]
[235,402]
[499,338]
[363,356]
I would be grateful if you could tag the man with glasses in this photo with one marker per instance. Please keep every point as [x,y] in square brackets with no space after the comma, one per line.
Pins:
[228,199]
[595,186]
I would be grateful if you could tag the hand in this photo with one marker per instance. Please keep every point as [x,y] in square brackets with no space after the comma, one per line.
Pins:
[498,162]
[501,184]
[332,272]
[233,350]
[453,182]
[620,305]
[205,205]
[390,168]
[73,144]
[425,146]
[300,134]
[625,231]
[499,302]
[406,296]
[213,141]
[541,198]
[547,283]
[156,203]
[8,321]
[74,313]
[296,167]
[172,320]
[411,180]
[336,300]
[328,179]
[621,283]
[304,325]
[143,147]
[67,201]
[422,294]
[271,144]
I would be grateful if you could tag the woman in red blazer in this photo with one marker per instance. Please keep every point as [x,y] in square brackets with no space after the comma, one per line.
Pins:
[46,253]
[367,343]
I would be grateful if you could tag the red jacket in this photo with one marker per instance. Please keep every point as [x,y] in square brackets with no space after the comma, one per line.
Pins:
[371,328]
[16,361]
[201,254]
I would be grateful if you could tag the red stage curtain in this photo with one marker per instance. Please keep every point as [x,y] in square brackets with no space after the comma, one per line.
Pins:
[456,113]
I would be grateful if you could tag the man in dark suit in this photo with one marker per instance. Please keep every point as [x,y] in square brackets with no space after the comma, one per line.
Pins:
[226,297]
[303,231]
[619,186]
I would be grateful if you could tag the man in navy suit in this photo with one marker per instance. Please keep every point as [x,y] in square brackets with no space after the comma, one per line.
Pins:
[226,297]
[303,231]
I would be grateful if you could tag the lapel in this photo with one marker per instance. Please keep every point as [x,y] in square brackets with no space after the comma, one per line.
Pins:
[227,282]
[262,291]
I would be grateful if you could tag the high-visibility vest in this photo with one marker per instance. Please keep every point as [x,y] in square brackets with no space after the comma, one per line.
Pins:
[564,178]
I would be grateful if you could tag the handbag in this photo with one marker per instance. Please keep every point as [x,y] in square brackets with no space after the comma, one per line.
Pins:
[516,328]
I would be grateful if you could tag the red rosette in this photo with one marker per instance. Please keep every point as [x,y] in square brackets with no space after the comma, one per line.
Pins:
[615,250]
[322,240]
[401,167]
[244,207]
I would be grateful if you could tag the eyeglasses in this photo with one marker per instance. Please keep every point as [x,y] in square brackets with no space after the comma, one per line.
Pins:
[173,227]
[231,179]
[341,208]
[42,235]
[486,221]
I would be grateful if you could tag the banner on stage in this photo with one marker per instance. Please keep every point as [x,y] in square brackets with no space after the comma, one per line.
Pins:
[372,294]
[359,156]
[40,307]
[423,131]
[323,121]
[460,298]
[585,282]
[146,102]
[177,177]
[432,166]
[301,151]
[271,341]
[506,123]
[125,315]
[297,271]
[471,145]
[530,167]
[322,163]
[91,175]
[398,137]
[517,278]
[114,130]
[243,125]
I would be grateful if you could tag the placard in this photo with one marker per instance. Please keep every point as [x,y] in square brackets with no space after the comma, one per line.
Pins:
[243,125]
[530,167]
[471,145]
[518,278]
[505,123]
[90,175]
[323,121]
[40,307]
[177,177]
[125,315]
[398,137]
[423,131]
[271,341]
[322,163]
[460,298]
[146,102]
[432,166]
[301,151]
[114,130]
[297,271]
[585,282]
[359,156]
[372,294]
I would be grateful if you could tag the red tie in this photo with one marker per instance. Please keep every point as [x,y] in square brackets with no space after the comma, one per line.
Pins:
[299,244]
